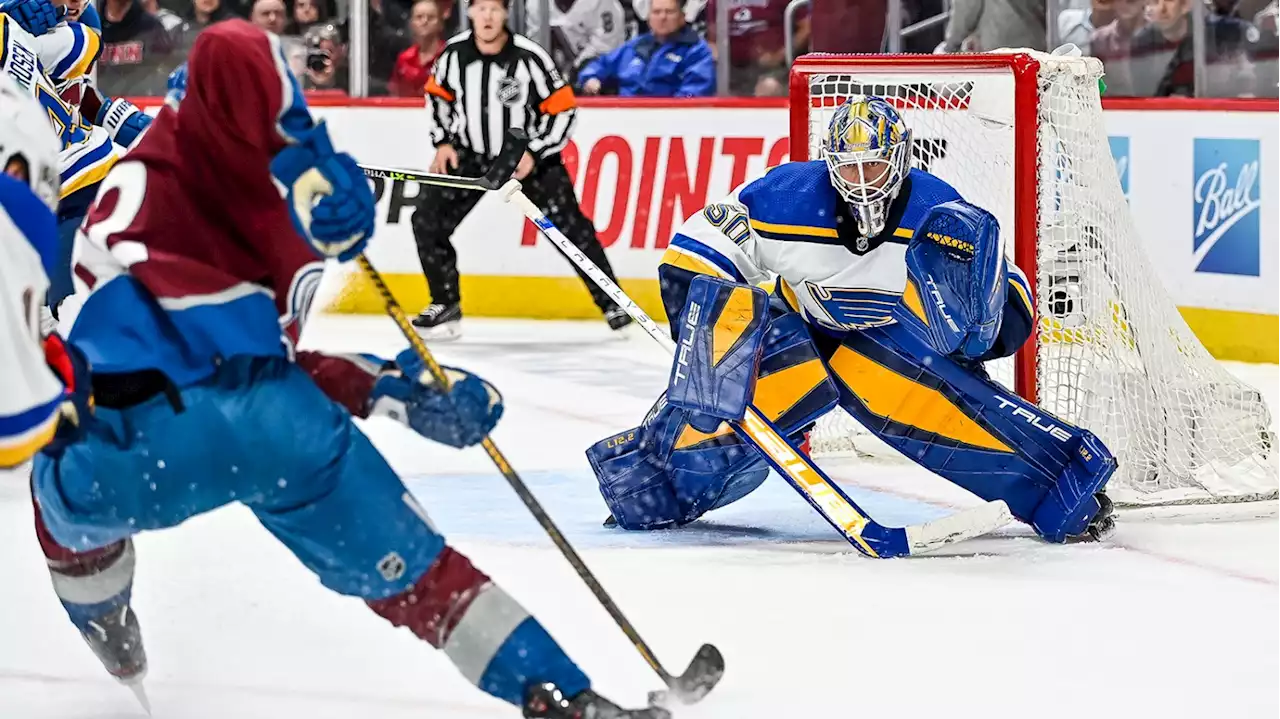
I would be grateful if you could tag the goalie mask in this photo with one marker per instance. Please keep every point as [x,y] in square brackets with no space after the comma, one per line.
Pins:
[28,146]
[868,154]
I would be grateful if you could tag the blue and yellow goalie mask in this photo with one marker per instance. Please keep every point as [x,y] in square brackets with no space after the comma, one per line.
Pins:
[868,154]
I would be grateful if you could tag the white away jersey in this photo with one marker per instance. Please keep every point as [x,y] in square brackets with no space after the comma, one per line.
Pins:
[791,224]
[29,391]
[67,50]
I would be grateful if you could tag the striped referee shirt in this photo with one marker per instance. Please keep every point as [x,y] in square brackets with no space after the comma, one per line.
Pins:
[474,98]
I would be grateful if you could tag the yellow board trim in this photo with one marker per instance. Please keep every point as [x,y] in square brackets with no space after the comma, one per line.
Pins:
[893,396]
[779,229]
[778,392]
[734,319]
[1227,334]
[15,454]
[911,298]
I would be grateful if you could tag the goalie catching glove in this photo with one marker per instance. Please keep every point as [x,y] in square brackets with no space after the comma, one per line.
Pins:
[461,417]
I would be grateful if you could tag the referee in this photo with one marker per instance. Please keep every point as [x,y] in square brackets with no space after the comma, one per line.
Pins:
[487,80]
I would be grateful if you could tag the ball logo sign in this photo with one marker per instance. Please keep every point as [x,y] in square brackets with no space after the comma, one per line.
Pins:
[1120,153]
[1227,218]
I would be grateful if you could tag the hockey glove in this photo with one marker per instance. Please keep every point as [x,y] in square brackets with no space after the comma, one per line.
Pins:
[73,369]
[122,120]
[459,418]
[177,87]
[34,16]
[329,198]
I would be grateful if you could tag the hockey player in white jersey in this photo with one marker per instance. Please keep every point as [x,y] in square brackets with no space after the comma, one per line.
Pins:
[891,291]
[581,30]
[32,398]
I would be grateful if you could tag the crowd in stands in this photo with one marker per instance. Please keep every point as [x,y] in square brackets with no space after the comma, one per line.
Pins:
[668,48]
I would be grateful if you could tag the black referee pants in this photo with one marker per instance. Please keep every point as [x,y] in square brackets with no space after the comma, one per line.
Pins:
[442,209]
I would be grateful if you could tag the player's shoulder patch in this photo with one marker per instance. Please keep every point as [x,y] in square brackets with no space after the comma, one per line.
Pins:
[927,191]
[793,201]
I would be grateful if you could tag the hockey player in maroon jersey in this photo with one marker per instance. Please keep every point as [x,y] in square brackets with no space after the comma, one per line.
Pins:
[200,257]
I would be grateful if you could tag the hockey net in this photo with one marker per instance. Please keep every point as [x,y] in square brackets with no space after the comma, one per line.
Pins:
[1021,134]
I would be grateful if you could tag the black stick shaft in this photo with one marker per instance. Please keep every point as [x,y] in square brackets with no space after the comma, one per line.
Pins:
[535,508]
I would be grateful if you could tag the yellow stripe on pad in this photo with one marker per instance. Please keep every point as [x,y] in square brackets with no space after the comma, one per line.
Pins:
[779,229]
[911,298]
[734,319]
[903,400]
[778,392]
[906,232]
[690,436]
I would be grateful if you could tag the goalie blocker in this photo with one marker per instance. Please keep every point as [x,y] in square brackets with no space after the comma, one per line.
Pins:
[917,384]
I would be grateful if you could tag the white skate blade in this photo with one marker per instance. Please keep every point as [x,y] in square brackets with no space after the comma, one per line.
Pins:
[446,332]
[140,692]
[958,527]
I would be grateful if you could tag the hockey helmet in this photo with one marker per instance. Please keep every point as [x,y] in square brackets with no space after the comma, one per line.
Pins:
[28,146]
[868,154]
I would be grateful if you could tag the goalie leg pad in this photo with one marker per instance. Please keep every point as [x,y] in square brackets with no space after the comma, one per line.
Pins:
[719,349]
[957,262]
[954,421]
[669,471]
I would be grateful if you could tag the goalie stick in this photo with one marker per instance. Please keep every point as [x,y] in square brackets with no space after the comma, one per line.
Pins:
[513,147]
[864,533]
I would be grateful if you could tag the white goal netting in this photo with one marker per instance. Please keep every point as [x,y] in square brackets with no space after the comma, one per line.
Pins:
[1112,352]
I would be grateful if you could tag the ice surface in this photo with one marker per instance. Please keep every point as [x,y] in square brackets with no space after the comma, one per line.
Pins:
[1176,616]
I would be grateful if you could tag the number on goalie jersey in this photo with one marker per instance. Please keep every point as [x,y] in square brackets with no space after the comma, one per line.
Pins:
[904,290]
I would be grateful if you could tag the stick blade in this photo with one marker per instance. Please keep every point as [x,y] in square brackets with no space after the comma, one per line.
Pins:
[959,527]
[704,672]
[504,165]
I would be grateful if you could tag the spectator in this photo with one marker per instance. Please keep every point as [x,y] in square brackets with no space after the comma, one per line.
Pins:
[135,50]
[413,66]
[757,46]
[1162,58]
[996,24]
[1266,51]
[388,37]
[581,30]
[669,61]
[1111,44]
[305,14]
[268,15]
[206,12]
[326,59]
[841,26]
[1077,25]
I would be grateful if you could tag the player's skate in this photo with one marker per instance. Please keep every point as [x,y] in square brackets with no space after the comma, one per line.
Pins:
[546,701]
[439,322]
[116,639]
[1102,524]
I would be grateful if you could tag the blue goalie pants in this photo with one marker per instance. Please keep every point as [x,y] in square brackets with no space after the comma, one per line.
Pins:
[260,432]
[943,414]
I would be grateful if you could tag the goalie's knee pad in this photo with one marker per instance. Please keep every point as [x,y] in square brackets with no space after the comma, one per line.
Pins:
[679,464]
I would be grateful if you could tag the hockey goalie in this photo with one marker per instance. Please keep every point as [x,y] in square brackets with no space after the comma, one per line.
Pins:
[891,292]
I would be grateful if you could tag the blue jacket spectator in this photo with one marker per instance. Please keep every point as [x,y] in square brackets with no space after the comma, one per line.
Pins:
[669,61]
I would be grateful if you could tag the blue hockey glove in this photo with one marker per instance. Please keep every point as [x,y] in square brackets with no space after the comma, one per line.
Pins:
[122,120]
[34,16]
[329,199]
[177,86]
[460,418]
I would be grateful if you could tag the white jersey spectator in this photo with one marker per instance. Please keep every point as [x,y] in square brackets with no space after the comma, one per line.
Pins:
[580,29]
[996,24]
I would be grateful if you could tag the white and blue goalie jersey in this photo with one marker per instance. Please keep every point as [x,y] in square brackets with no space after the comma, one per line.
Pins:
[790,224]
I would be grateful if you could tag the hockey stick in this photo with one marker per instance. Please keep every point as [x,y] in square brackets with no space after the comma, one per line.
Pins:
[868,536]
[514,145]
[707,666]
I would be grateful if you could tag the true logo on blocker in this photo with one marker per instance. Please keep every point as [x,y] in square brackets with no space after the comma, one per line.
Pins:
[1227,215]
